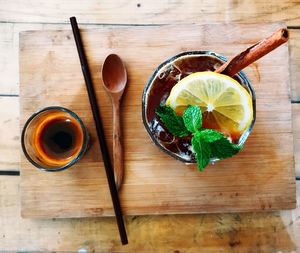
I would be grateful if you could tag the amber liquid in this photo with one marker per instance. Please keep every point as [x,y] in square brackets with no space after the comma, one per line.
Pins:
[58,139]
[161,88]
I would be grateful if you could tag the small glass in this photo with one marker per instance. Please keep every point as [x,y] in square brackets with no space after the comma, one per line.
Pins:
[54,139]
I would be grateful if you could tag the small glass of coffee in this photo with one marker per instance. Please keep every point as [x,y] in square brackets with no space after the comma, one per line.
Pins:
[54,138]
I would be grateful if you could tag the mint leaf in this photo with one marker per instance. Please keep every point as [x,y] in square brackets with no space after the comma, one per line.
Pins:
[223,148]
[210,135]
[172,121]
[192,118]
[202,150]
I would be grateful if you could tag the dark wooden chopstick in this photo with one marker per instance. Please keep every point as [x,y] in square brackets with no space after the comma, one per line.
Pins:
[100,132]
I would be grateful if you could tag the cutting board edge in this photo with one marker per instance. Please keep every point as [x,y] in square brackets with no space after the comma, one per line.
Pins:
[289,206]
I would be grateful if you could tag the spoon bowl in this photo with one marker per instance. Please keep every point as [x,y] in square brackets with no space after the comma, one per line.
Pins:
[114,74]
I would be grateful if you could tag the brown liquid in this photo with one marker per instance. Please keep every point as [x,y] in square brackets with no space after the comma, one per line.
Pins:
[160,90]
[58,139]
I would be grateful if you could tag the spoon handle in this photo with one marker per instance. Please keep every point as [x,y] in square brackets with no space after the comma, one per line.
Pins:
[117,145]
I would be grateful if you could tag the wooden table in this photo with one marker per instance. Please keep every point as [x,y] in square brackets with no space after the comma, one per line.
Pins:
[244,232]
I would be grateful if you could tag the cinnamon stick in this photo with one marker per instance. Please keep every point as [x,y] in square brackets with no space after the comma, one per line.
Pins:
[253,53]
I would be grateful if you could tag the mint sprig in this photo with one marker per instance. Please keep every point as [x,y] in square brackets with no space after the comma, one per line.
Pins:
[206,143]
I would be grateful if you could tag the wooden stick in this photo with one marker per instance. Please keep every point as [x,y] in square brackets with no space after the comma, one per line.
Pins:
[100,132]
[253,53]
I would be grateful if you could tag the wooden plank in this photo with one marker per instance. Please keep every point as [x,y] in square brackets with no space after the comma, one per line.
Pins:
[9,134]
[10,154]
[9,69]
[294,51]
[296,131]
[147,176]
[145,12]
[9,51]
[244,232]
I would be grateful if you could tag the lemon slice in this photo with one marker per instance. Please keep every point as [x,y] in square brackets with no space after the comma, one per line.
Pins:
[226,105]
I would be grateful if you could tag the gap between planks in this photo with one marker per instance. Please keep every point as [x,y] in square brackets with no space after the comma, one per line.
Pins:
[145,12]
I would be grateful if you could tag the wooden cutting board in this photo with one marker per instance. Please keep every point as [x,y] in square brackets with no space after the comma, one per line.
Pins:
[261,177]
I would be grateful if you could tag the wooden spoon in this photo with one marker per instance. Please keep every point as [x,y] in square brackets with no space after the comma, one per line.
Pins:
[114,81]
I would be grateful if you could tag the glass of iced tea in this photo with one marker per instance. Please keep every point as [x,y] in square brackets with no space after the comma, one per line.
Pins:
[54,138]
[157,91]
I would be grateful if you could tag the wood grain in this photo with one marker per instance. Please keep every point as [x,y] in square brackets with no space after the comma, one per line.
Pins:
[10,152]
[296,133]
[9,134]
[294,51]
[146,12]
[9,51]
[245,232]
[167,185]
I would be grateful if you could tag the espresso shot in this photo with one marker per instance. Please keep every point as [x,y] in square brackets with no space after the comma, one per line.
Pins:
[58,138]
[54,138]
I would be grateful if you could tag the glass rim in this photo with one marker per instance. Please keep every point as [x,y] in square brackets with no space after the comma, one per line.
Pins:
[73,161]
[147,87]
